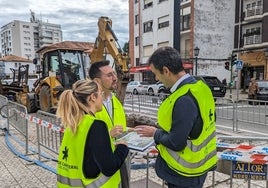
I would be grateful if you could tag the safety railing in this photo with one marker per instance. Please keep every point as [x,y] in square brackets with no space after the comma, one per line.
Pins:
[3,112]
[49,132]
[252,111]
[16,118]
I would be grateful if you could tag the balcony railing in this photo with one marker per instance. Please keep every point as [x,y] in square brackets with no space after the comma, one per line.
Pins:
[257,10]
[254,39]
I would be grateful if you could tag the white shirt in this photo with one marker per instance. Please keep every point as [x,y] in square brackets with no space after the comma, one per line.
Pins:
[108,105]
[174,87]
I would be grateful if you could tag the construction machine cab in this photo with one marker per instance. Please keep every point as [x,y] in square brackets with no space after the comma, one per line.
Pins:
[65,65]
[61,64]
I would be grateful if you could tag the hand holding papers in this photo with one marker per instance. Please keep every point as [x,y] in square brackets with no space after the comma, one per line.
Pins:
[136,142]
[145,130]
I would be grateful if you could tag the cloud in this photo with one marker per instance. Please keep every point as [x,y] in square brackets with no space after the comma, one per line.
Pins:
[78,19]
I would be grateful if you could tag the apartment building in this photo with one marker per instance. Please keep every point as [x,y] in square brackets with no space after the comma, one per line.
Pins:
[251,38]
[23,38]
[207,25]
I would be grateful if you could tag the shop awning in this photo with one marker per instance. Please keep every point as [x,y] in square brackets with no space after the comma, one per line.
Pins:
[140,68]
[148,68]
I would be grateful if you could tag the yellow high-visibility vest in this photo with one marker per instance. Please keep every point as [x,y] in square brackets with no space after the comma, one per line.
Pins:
[70,160]
[200,154]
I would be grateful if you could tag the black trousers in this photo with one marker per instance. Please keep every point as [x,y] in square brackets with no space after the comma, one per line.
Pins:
[124,173]
[197,182]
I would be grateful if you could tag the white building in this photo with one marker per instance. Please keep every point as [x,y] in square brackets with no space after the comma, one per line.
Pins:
[23,39]
[9,63]
[184,25]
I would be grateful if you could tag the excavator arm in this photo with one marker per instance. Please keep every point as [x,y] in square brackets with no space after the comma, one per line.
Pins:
[106,42]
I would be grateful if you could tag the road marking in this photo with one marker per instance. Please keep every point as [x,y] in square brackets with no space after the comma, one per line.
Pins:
[244,130]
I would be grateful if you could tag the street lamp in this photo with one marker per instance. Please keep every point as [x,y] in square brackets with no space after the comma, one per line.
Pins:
[196,53]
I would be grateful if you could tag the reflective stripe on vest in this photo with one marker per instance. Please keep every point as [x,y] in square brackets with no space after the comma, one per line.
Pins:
[78,182]
[194,149]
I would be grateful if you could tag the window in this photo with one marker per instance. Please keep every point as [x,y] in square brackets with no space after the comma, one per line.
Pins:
[185,20]
[252,31]
[162,44]
[253,5]
[163,22]
[136,1]
[148,26]
[148,50]
[137,61]
[26,26]
[137,41]
[160,1]
[136,19]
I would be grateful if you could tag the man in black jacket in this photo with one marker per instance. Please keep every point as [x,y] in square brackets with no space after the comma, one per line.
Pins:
[186,135]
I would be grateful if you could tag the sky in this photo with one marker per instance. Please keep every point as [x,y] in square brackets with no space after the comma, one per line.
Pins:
[78,18]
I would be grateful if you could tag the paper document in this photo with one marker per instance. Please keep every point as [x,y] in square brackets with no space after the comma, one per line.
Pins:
[136,142]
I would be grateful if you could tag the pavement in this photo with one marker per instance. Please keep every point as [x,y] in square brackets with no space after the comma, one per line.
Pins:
[20,169]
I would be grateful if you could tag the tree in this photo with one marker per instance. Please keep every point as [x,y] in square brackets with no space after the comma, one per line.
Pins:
[126,47]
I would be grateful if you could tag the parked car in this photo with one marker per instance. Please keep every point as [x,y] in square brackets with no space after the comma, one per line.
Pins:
[217,87]
[158,89]
[137,87]
[262,94]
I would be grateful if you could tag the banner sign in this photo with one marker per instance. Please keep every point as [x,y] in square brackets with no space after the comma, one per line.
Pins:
[241,170]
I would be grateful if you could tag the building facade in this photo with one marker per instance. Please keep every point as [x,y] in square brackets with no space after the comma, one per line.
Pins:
[251,39]
[184,25]
[11,63]
[23,39]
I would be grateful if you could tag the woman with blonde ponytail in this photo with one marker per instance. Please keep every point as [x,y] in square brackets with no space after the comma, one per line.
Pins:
[87,156]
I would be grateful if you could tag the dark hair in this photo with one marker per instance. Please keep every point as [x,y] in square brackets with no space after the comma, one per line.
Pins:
[94,70]
[168,57]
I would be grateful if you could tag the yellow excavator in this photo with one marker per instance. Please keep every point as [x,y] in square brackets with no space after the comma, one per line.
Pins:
[107,43]
[64,63]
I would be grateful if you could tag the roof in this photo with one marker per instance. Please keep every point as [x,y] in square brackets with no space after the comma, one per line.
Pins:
[67,45]
[13,58]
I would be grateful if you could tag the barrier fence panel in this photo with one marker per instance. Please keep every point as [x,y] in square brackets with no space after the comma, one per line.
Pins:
[144,104]
[3,112]
[252,111]
[16,118]
[225,109]
[49,132]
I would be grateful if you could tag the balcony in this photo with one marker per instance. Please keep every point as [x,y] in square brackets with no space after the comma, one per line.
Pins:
[255,12]
[254,39]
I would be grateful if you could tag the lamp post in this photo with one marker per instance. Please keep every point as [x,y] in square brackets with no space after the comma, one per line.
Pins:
[196,53]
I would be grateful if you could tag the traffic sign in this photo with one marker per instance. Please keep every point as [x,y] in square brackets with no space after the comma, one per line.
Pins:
[239,65]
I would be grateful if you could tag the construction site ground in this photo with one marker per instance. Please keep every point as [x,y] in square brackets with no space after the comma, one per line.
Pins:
[16,171]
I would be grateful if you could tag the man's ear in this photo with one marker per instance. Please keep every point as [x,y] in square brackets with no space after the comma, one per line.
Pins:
[165,70]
